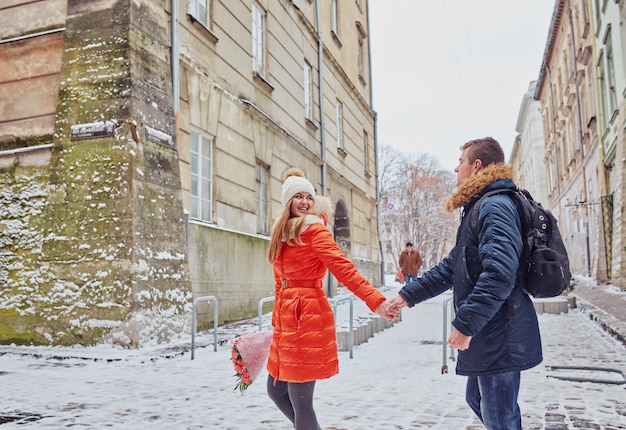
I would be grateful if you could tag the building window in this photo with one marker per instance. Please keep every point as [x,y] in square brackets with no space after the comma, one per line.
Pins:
[262,175]
[610,70]
[602,80]
[360,58]
[339,119]
[366,154]
[200,10]
[201,176]
[258,39]
[308,91]
[368,238]
[334,17]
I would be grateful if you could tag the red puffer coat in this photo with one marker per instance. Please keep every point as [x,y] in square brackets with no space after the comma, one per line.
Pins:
[304,346]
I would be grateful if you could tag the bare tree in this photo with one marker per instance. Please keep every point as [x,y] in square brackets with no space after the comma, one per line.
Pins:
[413,190]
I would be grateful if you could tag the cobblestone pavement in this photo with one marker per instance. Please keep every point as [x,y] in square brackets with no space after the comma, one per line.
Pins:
[597,377]
[556,404]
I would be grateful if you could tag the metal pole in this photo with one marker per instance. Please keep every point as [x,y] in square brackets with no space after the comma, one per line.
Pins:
[193,322]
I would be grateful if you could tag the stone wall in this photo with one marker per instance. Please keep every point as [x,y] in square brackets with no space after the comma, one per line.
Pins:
[95,243]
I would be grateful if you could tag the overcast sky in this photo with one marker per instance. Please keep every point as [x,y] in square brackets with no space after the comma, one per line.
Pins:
[448,71]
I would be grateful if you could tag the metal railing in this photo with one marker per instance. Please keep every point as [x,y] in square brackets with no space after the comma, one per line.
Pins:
[193,321]
[336,301]
[448,306]
[261,302]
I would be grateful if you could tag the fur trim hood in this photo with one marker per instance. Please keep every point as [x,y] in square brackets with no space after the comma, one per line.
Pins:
[474,185]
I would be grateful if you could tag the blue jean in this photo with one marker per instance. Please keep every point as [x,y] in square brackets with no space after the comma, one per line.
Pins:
[494,400]
[409,278]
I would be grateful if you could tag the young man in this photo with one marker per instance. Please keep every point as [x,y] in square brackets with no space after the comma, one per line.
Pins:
[410,263]
[495,327]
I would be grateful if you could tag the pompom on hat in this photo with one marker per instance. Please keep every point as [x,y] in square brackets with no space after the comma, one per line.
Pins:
[294,182]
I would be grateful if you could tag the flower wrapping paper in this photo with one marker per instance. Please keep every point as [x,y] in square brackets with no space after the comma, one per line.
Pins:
[254,349]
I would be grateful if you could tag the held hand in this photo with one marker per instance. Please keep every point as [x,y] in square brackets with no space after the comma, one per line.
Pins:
[458,340]
[386,311]
[398,303]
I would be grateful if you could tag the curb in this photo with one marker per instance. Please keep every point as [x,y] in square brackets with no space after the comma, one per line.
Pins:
[613,326]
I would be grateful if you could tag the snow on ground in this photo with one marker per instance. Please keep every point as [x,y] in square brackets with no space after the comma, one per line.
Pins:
[394,381]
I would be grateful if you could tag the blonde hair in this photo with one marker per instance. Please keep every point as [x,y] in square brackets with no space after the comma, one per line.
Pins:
[287,229]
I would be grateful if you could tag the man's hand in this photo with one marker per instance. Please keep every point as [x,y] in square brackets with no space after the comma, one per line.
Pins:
[398,303]
[386,311]
[458,340]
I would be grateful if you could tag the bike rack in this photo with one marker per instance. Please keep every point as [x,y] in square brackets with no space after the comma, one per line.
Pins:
[589,369]
[193,321]
[261,302]
[336,301]
[447,302]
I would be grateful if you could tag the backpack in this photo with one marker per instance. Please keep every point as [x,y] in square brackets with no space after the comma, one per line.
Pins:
[544,266]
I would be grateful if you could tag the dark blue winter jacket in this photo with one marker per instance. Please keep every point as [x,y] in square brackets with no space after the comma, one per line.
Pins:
[488,305]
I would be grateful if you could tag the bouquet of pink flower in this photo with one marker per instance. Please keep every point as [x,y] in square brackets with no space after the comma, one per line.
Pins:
[249,355]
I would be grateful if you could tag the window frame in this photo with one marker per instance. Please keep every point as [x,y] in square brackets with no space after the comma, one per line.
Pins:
[366,155]
[334,17]
[201,207]
[196,13]
[602,81]
[308,91]
[339,125]
[258,39]
[261,178]
[610,70]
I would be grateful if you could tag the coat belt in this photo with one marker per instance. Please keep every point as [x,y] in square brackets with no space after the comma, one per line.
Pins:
[303,283]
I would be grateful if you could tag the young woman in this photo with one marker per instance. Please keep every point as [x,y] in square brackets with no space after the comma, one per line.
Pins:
[304,347]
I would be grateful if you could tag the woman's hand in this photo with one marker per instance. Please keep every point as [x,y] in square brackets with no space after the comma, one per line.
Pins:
[387,311]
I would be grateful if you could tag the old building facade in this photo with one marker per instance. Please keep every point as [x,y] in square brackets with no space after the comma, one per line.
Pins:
[581,87]
[134,184]
[528,149]
[610,56]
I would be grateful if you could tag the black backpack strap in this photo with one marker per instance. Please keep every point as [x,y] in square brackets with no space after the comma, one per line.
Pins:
[516,195]
[476,208]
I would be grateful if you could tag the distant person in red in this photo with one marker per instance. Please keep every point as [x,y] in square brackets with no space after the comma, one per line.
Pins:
[410,263]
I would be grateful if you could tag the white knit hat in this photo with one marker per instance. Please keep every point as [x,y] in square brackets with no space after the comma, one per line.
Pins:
[294,183]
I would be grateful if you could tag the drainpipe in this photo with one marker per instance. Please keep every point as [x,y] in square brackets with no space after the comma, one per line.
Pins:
[175,64]
[320,67]
[380,243]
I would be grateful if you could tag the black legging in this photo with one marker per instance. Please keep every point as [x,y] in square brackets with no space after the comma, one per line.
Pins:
[295,400]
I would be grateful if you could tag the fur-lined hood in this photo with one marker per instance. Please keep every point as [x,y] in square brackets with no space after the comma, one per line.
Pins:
[475,184]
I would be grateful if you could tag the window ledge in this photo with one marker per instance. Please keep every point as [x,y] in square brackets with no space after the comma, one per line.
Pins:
[342,152]
[336,38]
[203,28]
[261,80]
[367,174]
[311,124]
